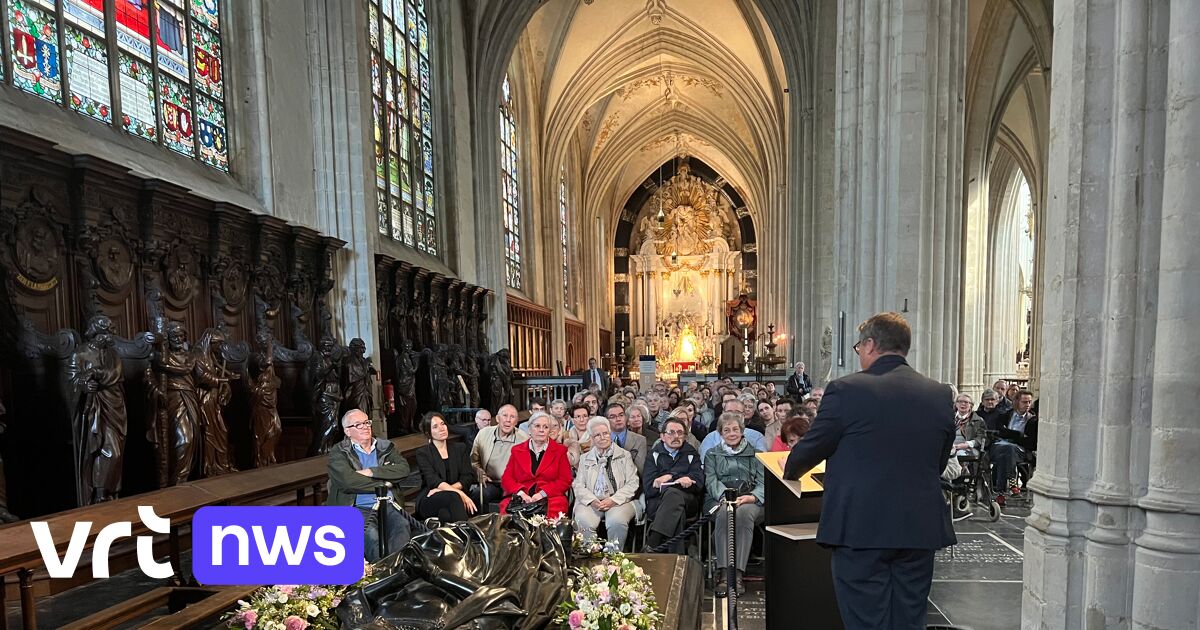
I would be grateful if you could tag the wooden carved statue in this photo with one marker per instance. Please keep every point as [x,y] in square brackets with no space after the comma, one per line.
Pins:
[359,379]
[264,404]
[100,421]
[470,372]
[407,362]
[437,359]
[501,378]
[215,392]
[175,414]
[5,515]
[325,378]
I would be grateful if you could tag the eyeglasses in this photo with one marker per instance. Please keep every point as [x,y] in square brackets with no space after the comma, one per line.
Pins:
[360,425]
[856,345]
[675,433]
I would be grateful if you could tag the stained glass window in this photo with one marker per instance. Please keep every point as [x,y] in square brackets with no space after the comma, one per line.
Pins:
[170,94]
[401,93]
[562,231]
[510,188]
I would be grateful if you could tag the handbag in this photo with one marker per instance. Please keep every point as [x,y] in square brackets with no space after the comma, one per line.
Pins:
[526,509]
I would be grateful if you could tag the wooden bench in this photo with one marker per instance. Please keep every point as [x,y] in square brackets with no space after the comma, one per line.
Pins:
[294,483]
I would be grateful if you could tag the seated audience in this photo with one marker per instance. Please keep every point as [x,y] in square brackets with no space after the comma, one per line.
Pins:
[558,410]
[535,405]
[639,422]
[673,483]
[779,413]
[606,486]
[357,465]
[446,474]
[793,429]
[623,437]
[538,469]
[754,437]
[991,412]
[1017,438]
[733,465]
[576,437]
[764,414]
[971,432]
[490,454]
[483,419]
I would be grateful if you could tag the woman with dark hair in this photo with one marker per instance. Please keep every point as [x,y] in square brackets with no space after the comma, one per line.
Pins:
[792,431]
[446,473]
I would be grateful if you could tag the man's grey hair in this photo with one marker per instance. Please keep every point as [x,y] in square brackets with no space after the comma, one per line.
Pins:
[347,415]
[990,394]
[559,401]
[483,411]
[728,418]
[597,421]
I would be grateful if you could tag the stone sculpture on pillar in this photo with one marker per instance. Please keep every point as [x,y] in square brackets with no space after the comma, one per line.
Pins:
[325,377]
[5,515]
[501,378]
[359,379]
[407,361]
[174,406]
[264,404]
[215,392]
[100,421]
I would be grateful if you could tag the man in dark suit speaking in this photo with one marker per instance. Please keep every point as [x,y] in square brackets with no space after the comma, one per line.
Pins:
[885,434]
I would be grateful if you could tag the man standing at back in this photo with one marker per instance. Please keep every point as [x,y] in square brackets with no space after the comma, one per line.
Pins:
[885,434]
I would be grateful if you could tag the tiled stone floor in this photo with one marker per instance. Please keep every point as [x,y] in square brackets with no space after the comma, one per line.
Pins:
[976,583]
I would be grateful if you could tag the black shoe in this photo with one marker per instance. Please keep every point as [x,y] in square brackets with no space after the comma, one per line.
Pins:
[722,587]
[741,587]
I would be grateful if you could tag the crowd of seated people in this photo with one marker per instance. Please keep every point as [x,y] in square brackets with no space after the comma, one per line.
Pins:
[614,456]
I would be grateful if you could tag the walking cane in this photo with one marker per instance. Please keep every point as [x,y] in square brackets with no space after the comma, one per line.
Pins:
[383,497]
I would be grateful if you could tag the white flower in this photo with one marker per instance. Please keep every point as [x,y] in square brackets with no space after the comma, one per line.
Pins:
[312,610]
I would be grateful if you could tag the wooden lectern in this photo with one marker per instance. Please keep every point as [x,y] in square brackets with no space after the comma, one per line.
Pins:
[799,584]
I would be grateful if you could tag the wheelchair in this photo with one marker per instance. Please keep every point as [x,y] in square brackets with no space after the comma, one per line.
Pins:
[970,494]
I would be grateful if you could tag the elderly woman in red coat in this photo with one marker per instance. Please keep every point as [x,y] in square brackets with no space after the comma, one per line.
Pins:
[538,468]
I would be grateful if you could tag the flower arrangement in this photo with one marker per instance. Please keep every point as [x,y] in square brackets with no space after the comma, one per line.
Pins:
[614,594]
[592,546]
[294,607]
[537,520]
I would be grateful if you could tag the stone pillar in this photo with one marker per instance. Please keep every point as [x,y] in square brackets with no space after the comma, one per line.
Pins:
[1167,560]
[1114,537]
[898,156]
[340,133]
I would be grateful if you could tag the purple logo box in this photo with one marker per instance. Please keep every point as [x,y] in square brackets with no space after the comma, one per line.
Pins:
[277,545]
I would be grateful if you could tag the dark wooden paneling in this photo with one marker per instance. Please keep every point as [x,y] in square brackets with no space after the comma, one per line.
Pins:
[80,236]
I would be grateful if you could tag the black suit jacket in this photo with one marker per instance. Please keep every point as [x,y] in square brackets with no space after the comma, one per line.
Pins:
[435,470]
[603,382]
[885,434]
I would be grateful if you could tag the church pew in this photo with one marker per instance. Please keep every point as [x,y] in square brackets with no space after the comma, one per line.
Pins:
[282,484]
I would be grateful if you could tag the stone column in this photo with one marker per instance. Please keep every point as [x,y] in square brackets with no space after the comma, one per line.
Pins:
[1167,560]
[338,75]
[1114,537]
[898,156]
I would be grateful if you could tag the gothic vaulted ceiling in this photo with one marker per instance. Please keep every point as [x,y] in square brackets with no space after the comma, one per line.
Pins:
[624,85]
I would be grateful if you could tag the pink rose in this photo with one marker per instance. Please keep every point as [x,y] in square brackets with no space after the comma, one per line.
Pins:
[249,617]
[294,623]
[575,619]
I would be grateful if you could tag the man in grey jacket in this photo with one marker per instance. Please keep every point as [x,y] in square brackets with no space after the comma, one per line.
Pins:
[357,465]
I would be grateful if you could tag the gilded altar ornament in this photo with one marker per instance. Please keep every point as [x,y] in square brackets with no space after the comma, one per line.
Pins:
[100,421]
